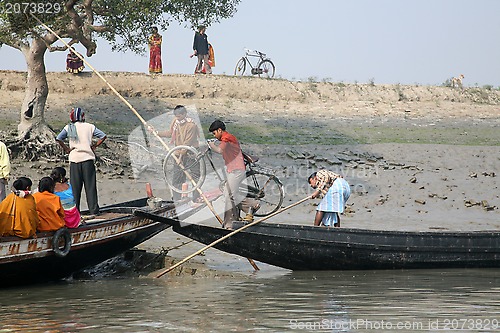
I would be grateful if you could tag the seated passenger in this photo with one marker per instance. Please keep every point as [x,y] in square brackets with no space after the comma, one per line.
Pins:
[18,215]
[48,206]
[64,190]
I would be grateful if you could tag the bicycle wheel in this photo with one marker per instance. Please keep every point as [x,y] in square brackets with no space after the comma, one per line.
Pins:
[190,161]
[266,189]
[266,68]
[241,65]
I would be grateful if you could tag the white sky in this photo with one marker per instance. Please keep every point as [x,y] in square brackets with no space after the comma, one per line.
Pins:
[389,41]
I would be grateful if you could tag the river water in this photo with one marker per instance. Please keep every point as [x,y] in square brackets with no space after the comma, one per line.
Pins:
[272,300]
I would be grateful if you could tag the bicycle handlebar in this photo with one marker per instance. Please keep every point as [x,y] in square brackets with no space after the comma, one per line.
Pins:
[254,52]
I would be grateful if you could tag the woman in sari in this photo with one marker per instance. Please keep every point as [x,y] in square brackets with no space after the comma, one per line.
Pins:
[74,64]
[18,215]
[154,43]
[48,206]
[64,191]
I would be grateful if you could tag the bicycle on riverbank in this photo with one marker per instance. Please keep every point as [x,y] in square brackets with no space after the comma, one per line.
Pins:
[260,182]
[264,68]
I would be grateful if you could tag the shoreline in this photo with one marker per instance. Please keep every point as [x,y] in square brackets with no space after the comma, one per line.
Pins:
[418,158]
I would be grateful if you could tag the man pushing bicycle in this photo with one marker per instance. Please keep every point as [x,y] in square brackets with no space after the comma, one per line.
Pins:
[230,149]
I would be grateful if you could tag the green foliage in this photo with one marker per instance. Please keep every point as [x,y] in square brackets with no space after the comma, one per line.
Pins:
[126,24]
[446,83]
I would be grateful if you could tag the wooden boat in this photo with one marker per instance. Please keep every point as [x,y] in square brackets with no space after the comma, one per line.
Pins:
[52,256]
[300,247]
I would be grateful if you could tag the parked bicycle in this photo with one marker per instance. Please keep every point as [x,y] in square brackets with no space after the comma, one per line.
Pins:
[264,67]
[260,182]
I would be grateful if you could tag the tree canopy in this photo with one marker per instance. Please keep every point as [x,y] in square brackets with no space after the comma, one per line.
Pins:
[124,23]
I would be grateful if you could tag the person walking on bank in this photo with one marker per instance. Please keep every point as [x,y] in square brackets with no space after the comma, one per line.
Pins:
[334,191]
[200,48]
[154,43]
[82,170]
[4,169]
[233,159]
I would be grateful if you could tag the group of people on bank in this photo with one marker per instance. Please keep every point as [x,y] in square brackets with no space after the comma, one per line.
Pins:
[56,201]
[202,49]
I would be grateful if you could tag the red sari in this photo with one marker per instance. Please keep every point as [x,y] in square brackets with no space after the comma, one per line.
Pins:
[154,42]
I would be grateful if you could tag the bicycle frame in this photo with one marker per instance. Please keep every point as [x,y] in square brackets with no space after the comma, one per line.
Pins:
[264,65]
[208,155]
[260,182]
[254,54]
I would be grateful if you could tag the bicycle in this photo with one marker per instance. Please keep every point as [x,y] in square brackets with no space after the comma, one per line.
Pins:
[260,182]
[265,66]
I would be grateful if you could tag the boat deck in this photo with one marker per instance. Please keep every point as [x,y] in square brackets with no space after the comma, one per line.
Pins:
[102,217]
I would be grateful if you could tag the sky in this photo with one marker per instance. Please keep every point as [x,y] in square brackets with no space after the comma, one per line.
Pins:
[421,42]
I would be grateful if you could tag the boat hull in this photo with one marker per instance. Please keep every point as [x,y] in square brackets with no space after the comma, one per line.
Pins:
[299,247]
[26,261]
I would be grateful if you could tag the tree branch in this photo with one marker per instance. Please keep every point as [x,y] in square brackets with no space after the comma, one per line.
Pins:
[78,29]
[62,48]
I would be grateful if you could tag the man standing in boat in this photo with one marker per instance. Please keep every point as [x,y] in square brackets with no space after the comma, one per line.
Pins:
[183,131]
[334,191]
[81,150]
[233,159]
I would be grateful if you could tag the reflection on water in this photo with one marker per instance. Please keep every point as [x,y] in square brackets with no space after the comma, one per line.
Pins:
[353,301]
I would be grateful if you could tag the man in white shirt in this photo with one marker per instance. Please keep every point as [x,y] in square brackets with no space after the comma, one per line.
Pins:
[81,157]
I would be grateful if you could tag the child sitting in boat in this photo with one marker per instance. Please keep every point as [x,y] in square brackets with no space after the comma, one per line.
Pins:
[48,206]
[64,191]
[18,215]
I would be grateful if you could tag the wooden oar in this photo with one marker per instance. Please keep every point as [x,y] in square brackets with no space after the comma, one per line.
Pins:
[229,235]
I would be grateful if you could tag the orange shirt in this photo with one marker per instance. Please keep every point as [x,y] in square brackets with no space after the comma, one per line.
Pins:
[50,211]
[18,216]
[231,152]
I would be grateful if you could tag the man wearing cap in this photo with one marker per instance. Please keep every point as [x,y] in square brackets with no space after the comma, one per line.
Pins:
[82,157]
[230,149]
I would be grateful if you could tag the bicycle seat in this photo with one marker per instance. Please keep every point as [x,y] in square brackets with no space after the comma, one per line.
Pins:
[249,158]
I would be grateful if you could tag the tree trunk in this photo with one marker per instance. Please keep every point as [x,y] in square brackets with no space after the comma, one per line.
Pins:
[37,90]
[35,138]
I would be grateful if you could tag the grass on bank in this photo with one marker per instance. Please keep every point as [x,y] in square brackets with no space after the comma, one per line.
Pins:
[321,134]
[294,135]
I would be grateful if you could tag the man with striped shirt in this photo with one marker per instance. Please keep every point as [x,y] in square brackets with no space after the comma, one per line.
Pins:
[334,191]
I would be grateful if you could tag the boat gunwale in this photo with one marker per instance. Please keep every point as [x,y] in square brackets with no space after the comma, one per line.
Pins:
[372,231]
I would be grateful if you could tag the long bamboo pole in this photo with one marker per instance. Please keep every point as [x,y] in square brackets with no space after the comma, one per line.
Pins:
[229,235]
[155,133]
